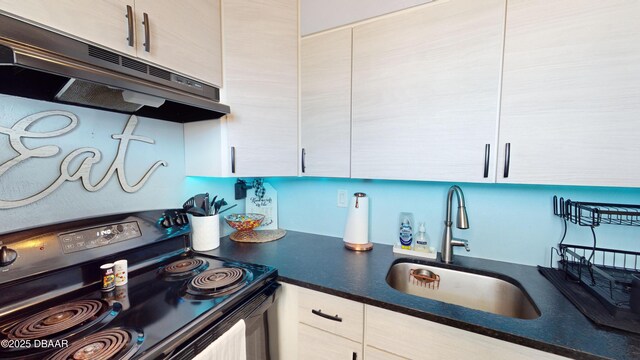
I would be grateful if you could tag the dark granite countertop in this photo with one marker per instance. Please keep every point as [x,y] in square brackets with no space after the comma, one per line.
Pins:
[322,263]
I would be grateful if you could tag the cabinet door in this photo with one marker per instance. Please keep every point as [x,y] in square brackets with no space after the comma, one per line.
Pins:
[571,90]
[103,23]
[184,36]
[426,91]
[394,333]
[261,85]
[325,126]
[314,344]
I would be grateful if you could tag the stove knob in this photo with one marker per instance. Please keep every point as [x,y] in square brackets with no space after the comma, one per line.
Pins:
[166,222]
[120,228]
[178,219]
[7,256]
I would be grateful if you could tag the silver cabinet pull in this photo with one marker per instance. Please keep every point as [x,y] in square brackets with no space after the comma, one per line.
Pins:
[487,149]
[129,17]
[507,159]
[233,159]
[147,36]
[304,153]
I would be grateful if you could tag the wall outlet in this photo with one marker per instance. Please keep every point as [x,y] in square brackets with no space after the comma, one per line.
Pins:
[342,198]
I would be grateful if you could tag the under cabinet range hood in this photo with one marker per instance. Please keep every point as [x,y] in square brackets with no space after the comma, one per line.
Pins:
[40,64]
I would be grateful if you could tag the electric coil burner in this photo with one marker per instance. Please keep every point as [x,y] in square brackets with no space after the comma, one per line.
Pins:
[175,303]
[60,319]
[184,269]
[104,345]
[68,321]
[218,282]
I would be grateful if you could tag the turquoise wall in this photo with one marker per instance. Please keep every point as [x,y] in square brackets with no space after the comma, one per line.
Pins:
[513,223]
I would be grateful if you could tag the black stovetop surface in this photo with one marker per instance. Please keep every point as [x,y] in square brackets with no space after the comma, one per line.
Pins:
[157,307]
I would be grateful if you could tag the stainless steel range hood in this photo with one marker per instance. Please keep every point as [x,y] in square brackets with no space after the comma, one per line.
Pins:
[40,64]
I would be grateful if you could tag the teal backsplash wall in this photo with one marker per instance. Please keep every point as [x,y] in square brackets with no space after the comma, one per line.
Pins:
[513,223]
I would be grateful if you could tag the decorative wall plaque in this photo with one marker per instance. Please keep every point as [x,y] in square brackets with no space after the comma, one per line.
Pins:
[86,155]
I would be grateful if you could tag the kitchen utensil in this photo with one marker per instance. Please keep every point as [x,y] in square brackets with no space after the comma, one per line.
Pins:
[198,199]
[244,222]
[205,204]
[229,208]
[220,203]
[212,205]
[356,231]
[196,211]
[189,203]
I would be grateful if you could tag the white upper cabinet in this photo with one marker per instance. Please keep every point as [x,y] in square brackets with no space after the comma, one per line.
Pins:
[325,127]
[426,89]
[260,136]
[261,85]
[571,93]
[102,22]
[183,36]
[180,36]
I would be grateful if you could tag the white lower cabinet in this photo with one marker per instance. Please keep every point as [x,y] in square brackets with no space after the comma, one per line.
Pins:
[404,336]
[315,344]
[372,333]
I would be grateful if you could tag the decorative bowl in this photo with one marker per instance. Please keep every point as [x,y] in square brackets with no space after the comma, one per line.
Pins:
[244,222]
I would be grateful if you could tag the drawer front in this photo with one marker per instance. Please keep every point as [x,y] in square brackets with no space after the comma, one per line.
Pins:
[371,353]
[331,313]
[396,333]
[314,344]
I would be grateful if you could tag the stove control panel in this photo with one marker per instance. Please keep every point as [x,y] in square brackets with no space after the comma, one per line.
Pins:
[99,236]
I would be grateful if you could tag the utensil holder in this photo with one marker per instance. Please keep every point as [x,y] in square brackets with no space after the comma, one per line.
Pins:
[205,232]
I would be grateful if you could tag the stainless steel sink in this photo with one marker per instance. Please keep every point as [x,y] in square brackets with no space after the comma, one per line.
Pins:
[493,293]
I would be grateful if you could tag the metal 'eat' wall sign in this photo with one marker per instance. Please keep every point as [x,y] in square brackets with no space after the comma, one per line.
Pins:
[86,155]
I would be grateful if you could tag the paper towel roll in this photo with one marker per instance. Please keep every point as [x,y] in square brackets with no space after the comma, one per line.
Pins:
[356,230]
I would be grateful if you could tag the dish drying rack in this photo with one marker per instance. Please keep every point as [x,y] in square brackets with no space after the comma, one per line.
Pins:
[606,273]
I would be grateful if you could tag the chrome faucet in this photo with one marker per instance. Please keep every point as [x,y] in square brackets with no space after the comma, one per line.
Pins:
[448,242]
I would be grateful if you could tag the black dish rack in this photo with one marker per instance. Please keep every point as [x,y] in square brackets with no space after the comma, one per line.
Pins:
[603,272]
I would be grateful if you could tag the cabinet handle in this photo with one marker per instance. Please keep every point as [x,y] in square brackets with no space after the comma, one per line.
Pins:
[487,147]
[129,17]
[321,314]
[355,356]
[233,159]
[507,158]
[147,37]
[304,153]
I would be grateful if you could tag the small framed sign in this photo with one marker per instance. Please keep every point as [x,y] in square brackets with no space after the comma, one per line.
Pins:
[267,205]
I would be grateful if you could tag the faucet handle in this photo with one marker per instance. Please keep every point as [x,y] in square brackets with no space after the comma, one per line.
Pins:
[461,242]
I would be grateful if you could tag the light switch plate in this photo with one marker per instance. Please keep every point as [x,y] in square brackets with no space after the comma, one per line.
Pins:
[342,198]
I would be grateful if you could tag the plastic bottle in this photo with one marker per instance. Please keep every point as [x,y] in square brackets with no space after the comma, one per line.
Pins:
[422,239]
[406,231]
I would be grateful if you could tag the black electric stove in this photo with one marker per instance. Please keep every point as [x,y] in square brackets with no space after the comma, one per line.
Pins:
[176,302]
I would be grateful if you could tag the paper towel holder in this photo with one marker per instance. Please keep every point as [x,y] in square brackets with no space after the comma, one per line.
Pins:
[356,232]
